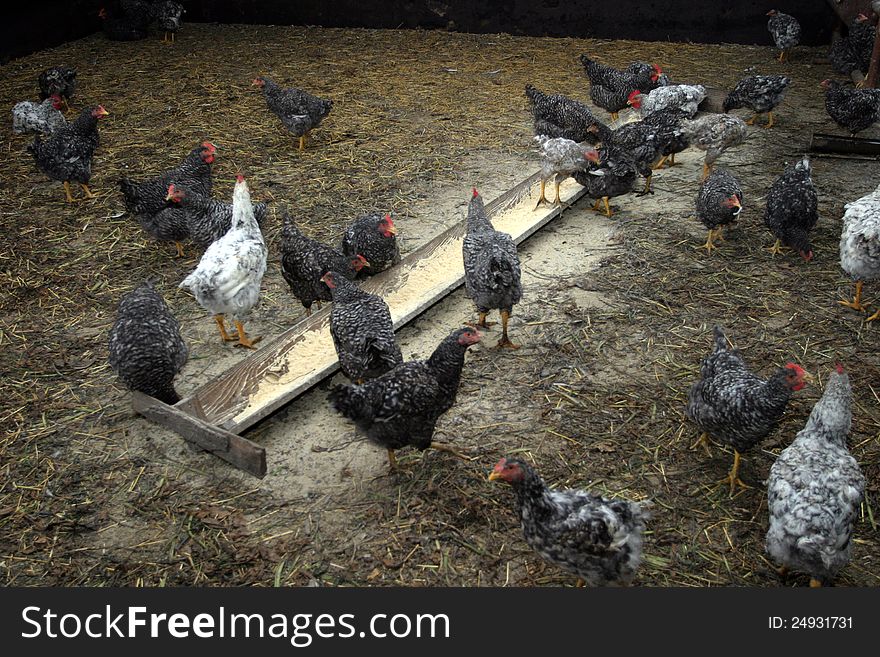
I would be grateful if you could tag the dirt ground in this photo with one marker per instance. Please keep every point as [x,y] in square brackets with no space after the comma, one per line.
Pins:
[616,316]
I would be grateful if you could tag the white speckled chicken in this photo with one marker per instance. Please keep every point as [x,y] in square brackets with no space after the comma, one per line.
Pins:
[785,30]
[227,279]
[860,245]
[719,203]
[684,98]
[402,406]
[560,158]
[374,237]
[815,489]
[362,330]
[760,93]
[731,403]
[714,133]
[298,110]
[792,209]
[596,538]
[146,349]
[44,117]
[492,275]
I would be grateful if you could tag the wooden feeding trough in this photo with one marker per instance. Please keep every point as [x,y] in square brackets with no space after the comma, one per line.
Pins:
[214,415]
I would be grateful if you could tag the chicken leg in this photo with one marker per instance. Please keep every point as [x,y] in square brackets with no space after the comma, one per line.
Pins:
[815,583]
[777,247]
[542,199]
[179,249]
[608,212]
[733,475]
[302,142]
[505,341]
[659,164]
[87,190]
[70,198]
[781,55]
[614,116]
[647,189]
[443,447]
[769,120]
[482,323]
[392,460]
[710,240]
[873,317]
[856,303]
[222,326]
[243,339]
[557,200]
[706,170]
[703,440]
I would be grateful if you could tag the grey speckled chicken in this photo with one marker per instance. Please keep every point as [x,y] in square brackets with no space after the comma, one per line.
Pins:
[611,89]
[642,141]
[556,115]
[714,133]
[613,175]
[208,219]
[43,117]
[669,134]
[305,260]
[596,538]
[560,158]
[731,403]
[362,330]
[57,81]
[373,236]
[815,489]
[785,30]
[227,278]
[792,209]
[719,202]
[146,349]
[168,15]
[684,98]
[853,52]
[492,275]
[402,406]
[860,245]
[760,93]
[853,110]
[298,110]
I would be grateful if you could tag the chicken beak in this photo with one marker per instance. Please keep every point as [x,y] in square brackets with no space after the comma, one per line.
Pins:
[807,377]
[103,112]
[392,230]
[494,475]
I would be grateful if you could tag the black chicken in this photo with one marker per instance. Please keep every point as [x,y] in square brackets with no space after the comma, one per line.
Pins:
[402,406]
[298,110]
[853,52]
[58,80]
[146,349]
[737,407]
[120,27]
[362,330]
[613,174]
[168,14]
[556,115]
[853,110]
[207,219]
[492,275]
[760,93]
[669,133]
[719,202]
[373,236]
[610,89]
[67,153]
[785,30]
[642,141]
[596,538]
[792,209]
[304,261]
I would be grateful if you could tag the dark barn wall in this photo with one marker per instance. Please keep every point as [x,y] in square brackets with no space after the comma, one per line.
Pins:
[30,26]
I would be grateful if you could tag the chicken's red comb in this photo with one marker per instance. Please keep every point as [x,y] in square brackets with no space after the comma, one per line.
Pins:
[209,146]
[171,188]
[239,177]
[657,68]
[633,94]
[476,193]
[500,465]
[839,368]
[388,218]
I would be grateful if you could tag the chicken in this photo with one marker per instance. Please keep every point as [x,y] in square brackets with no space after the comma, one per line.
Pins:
[402,406]
[760,93]
[731,403]
[613,175]
[145,200]
[146,349]
[853,110]
[139,13]
[714,133]
[67,153]
[43,117]
[304,261]
[596,538]
[206,218]
[492,277]
[610,89]
[642,141]
[853,52]
[298,110]
[227,278]
[362,330]
[556,115]
[860,245]
[560,158]
[57,81]
[373,236]
[684,98]
[670,135]
[719,203]
[120,28]
[792,209]
[815,489]
[785,30]
[168,14]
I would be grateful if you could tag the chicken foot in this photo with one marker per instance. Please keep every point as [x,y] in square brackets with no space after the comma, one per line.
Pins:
[505,342]
[443,447]
[704,441]
[222,326]
[733,476]
[70,198]
[482,323]
[243,339]
[706,170]
[712,235]
[179,249]
[647,189]
[856,303]
[608,212]
[777,247]
[543,198]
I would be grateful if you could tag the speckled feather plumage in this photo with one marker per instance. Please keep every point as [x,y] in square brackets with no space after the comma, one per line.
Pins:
[146,348]
[785,30]
[402,406]
[556,115]
[860,238]
[719,186]
[560,157]
[42,117]
[59,80]
[298,110]
[792,207]
[715,133]
[492,276]
[168,15]
[208,219]
[684,98]
[852,109]
[66,154]
[733,404]
[363,237]
[760,93]
[593,537]
[610,88]
[614,174]
[815,488]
